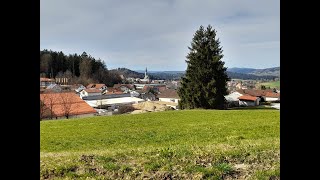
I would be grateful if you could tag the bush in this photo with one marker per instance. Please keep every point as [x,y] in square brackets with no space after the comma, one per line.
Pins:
[125,109]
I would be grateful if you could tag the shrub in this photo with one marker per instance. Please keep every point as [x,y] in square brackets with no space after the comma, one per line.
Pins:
[125,109]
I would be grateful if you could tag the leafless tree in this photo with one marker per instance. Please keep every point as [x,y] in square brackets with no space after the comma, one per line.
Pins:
[43,109]
[68,104]
[51,102]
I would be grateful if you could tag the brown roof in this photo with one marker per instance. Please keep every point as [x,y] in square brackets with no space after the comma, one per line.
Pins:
[46,79]
[130,86]
[248,98]
[98,86]
[254,92]
[113,91]
[90,86]
[162,88]
[77,105]
[169,93]
[92,90]
[271,94]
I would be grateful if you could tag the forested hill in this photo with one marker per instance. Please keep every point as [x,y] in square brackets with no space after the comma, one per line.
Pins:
[83,69]
[128,73]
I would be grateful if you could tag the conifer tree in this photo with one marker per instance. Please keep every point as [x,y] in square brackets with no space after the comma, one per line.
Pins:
[204,84]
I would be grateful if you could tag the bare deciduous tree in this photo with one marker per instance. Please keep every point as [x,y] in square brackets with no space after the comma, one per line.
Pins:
[43,109]
[68,105]
[51,102]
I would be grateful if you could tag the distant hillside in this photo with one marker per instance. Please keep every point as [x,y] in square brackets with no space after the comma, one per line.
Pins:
[234,75]
[267,72]
[242,70]
[275,71]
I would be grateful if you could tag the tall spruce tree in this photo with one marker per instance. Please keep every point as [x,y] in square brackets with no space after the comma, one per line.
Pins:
[204,84]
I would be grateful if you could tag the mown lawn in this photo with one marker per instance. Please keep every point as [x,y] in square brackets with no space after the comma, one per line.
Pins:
[271,84]
[189,144]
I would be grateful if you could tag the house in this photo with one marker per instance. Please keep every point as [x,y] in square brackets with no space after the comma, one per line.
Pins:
[271,96]
[169,95]
[64,105]
[239,86]
[62,80]
[146,94]
[54,88]
[110,90]
[124,87]
[113,102]
[101,87]
[45,82]
[247,100]
[232,99]
[78,87]
[90,92]
[255,92]
[160,88]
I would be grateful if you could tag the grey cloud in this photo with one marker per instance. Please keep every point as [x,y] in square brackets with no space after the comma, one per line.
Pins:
[134,33]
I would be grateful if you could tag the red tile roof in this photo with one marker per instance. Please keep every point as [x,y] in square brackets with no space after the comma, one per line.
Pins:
[98,86]
[130,86]
[248,98]
[76,104]
[90,86]
[254,92]
[113,91]
[92,90]
[169,93]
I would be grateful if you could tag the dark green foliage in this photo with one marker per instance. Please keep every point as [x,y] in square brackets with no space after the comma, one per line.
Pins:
[57,64]
[263,87]
[204,84]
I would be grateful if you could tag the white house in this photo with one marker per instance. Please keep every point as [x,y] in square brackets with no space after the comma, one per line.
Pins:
[114,101]
[232,99]
[90,92]
[54,87]
[169,95]
[233,96]
[248,100]
[271,97]
[80,88]
[44,82]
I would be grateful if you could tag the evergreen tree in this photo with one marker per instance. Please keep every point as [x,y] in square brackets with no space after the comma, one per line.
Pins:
[204,84]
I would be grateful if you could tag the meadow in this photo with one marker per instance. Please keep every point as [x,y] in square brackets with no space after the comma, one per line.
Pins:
[271,84]
[188,144]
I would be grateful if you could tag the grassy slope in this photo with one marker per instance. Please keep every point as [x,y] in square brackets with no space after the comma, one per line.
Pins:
[272,84]
[182,144]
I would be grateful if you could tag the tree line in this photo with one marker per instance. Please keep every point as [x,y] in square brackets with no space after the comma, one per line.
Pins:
[80,69]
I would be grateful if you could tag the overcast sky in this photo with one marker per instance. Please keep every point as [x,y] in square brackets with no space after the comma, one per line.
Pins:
[156,34]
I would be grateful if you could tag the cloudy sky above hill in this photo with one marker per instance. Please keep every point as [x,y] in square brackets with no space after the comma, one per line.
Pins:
[156,34]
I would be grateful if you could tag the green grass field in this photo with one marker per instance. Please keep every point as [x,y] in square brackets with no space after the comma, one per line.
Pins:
[189,144]
[271,84]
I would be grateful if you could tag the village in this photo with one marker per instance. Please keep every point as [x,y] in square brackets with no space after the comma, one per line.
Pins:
[59,99]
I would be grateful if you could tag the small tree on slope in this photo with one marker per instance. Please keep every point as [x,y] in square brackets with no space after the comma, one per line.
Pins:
[204,84]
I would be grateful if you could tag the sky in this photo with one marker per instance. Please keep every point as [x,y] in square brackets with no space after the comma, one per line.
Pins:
[156,34]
